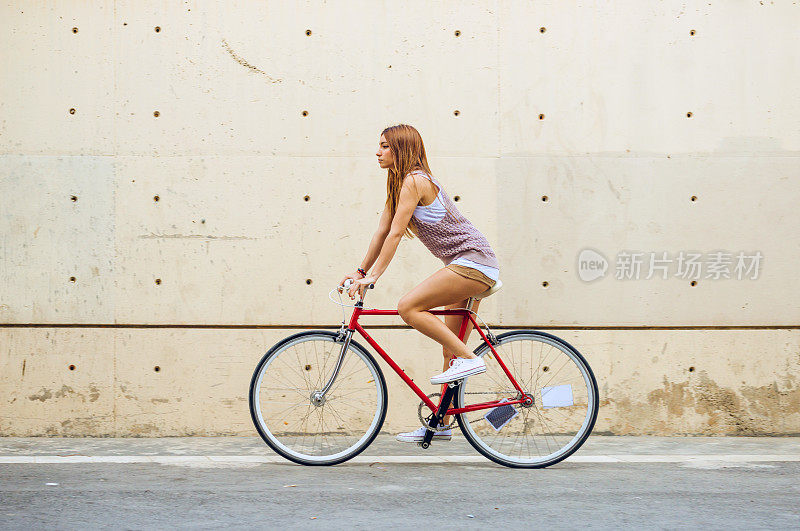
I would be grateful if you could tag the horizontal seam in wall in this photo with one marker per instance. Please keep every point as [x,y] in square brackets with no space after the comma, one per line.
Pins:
[625,155]
[392,327]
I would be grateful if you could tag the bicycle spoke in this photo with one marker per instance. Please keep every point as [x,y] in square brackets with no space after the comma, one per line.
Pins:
[294,369]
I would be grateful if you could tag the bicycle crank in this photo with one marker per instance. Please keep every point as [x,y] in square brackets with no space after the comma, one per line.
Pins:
[424,420]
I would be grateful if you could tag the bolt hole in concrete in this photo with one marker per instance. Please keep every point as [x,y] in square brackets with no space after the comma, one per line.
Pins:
[694,198]
[306,198]
[156,198]
[72,111]
[456,112]
[545,284]
[308,32]
[691,369]
[72,279]
[542,29]
[458,33]
[689,114]
[308,367]
[545,368]
[156,114]
[457,198]
[693,283]
[72,367]
[158,281]
[74,30]
[157,368]
[544,198]
[308,281]
[74,198]
[305,113]
[158,29]
[692,32]
[541,116]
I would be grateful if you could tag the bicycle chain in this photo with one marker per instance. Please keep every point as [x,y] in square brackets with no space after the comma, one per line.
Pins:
[454,422]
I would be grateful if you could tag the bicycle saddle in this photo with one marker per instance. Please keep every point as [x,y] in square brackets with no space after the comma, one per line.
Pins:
[489,291]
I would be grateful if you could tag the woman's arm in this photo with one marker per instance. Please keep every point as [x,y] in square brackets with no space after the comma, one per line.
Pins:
[378,238]
[409,197]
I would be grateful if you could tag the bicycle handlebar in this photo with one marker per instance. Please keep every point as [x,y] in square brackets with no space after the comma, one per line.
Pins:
[349,282]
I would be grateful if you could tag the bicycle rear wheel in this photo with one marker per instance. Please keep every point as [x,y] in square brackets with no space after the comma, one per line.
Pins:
[306,431]
[563,408]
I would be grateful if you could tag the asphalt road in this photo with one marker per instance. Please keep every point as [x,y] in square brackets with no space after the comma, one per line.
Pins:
[740,483]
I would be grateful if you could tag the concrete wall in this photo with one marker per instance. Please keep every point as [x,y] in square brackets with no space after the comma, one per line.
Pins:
[101,283]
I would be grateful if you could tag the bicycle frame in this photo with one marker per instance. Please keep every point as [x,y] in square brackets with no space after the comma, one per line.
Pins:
[354,326]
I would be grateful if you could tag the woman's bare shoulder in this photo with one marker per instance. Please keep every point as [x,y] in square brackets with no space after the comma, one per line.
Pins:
[418,171]
[423,186]
[420,177]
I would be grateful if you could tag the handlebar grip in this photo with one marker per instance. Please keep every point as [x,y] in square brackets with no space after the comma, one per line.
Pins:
[349,282]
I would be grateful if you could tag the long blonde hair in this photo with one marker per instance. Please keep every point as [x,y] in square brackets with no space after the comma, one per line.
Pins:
[409,155]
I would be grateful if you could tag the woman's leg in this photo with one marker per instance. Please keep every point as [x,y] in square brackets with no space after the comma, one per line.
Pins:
[440,289]
[453,322]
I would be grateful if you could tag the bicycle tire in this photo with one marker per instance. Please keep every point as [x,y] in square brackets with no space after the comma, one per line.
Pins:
[274,442]
[554,457]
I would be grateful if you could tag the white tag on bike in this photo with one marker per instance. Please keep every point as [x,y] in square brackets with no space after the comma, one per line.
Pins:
[501,415]
[557,396]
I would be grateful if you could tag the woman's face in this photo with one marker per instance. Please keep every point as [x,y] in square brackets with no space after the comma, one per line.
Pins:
[385,156]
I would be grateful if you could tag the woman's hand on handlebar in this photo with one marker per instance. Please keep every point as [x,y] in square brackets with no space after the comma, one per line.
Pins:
[360,286]
[355,275]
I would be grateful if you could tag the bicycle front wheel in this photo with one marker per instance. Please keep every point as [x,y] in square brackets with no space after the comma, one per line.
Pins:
[562,407]
[299,426]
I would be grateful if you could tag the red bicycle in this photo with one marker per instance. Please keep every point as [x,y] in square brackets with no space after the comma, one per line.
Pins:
[319,398]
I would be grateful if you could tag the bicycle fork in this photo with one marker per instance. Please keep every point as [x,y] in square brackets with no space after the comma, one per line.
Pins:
[318,397]
[436,418]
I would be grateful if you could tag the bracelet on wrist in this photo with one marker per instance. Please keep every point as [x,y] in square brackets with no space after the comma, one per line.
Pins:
[362,271]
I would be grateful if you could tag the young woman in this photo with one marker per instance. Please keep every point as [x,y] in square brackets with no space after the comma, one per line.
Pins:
[416,202]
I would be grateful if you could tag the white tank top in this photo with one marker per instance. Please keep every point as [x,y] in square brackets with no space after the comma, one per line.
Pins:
[431,213]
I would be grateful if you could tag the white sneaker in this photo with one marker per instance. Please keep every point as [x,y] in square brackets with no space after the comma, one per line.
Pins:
[417,435]
[460,368]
